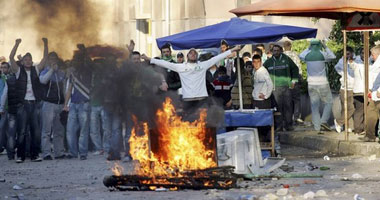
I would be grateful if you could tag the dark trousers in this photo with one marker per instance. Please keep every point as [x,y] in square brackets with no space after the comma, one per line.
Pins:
[350,106]
[264,131]
[14,130]
[191,108]
[283,97]
[29,117]
[373,115]
[296,105]
[359,114]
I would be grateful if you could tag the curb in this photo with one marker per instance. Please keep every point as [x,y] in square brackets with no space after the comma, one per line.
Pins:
[331,142]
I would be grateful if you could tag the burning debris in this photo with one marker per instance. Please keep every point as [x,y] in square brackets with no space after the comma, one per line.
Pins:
[177,154]
[211,178]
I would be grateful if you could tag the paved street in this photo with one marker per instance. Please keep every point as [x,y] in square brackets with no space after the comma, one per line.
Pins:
[75,179]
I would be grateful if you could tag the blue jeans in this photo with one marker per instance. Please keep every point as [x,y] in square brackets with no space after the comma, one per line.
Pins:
[98,117]
[78,118]
[14,128]
[3,130]
[318,94]
[29,118]
[112,133]
[52,126]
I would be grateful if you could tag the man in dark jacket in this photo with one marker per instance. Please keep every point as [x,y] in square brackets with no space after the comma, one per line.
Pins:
[28,91]
[52,78]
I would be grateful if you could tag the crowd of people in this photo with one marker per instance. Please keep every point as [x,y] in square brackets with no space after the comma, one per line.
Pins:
[55,109]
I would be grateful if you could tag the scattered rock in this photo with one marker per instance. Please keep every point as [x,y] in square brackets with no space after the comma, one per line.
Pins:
[17,187]
[248,197]
[269,196]
[357,176]
[326,158]
[372,157]
[307,181]
[309,195]
[358,197]
[334,177]
[321,193]
[282,192]
[2,180]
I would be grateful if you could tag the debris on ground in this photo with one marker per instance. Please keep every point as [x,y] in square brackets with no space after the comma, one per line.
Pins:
[357,176]
[17,187]
[282,192]
[309,195]
[321,193]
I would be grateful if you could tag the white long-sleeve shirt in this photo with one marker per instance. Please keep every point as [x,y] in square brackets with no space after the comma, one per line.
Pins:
[350,74]
[262,83]
[192,75]
[358,67]
[316,70]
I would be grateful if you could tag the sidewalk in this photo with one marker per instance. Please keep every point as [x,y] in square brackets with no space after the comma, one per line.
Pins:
[329,142]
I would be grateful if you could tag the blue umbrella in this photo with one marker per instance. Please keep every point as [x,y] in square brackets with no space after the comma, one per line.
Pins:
[234,32]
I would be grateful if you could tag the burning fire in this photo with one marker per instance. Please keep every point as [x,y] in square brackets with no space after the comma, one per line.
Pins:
[181,145]
[117,169]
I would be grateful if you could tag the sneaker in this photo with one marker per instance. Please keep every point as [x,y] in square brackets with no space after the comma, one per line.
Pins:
[113,157]
[289,128]
[36,159]
[60,157]
[83,158]
[299,121]
[338,127]
[48,157]
[279,129]
[19,160]
[320,133]
[326,127]
[96,153]
[127,159]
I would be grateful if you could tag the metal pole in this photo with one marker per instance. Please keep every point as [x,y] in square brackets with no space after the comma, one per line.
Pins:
[239,82]
[345,84]
[366,64]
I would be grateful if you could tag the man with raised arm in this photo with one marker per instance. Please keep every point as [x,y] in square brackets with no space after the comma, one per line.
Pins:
[28,89]
[192,74]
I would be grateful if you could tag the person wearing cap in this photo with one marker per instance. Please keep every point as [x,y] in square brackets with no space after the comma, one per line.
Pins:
[222,87]
[180,58]
[318,85]
[192,75]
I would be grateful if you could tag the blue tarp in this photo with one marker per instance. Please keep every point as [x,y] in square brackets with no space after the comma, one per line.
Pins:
[249,119]
[234,32]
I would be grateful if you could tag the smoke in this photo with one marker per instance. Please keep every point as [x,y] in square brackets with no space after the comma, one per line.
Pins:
[64,22]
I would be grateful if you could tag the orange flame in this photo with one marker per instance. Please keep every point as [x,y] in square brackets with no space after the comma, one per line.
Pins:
[117,169]
[181,145]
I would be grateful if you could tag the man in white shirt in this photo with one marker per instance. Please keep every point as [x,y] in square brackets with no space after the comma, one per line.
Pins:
[262,85]
[339,122]
[374,102]
[192,74]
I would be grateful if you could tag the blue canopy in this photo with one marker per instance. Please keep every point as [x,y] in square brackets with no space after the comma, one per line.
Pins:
[234,32]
